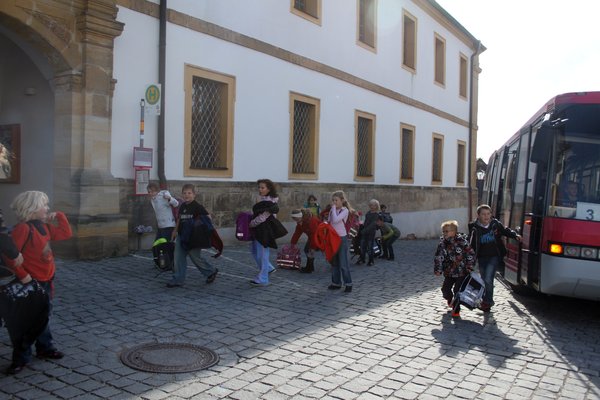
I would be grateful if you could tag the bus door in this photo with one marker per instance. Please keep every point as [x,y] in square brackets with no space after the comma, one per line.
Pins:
[517,258]
[508,176]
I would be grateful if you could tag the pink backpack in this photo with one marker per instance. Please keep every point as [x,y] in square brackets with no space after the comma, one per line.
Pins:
[289,257]
[242,226]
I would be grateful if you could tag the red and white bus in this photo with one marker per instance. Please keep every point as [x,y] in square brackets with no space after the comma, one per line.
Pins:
[545,183]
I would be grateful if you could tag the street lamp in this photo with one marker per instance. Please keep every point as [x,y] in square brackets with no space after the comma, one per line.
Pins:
[480,176]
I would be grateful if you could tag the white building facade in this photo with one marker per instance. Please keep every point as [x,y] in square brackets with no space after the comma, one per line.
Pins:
[374,97]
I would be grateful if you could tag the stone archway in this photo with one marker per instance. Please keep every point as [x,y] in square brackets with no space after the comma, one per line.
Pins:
[77,41]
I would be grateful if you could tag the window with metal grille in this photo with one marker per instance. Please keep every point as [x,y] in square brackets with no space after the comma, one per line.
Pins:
[437,159]
[440,60]
[409,41]
[367,22]
[304,136]
[462,84]
[460,162]
[208,123]
[407,146]
[309,9]
[365,145]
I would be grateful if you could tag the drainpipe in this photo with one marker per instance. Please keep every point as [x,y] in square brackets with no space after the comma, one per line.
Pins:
[471,130]
[162,45]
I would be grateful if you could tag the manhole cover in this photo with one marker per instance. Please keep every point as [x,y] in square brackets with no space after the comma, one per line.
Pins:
[169,358]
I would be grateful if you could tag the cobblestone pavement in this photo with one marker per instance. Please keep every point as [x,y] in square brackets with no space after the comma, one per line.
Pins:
[392,337]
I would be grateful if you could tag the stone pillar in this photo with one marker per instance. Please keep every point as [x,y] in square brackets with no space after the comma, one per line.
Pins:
[84,184]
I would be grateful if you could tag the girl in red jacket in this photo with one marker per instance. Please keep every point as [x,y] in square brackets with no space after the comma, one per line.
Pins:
[37,227]
[306,223]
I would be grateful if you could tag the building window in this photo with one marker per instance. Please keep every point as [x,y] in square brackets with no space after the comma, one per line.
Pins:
[407,152]
[209,102]
[437,159]
[462,81]
[308,9]
[364,132]
[460,162]
[367,23]
[409,42]
[440,60]
[304,137]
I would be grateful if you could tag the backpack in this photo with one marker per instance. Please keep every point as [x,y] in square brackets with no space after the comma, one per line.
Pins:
[242,226]
[352,224]
[289,257]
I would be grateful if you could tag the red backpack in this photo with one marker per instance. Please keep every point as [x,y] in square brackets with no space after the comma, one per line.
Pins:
[352,224]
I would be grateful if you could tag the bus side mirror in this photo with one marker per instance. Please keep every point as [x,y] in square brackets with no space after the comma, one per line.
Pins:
[543,141]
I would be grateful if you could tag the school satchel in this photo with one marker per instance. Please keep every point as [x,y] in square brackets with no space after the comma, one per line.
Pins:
[288,257]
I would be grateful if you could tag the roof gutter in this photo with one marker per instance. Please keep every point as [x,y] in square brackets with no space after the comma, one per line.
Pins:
[472,128]
[162,45]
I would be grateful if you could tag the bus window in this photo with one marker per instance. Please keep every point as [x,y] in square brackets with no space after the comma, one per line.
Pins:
[575,188]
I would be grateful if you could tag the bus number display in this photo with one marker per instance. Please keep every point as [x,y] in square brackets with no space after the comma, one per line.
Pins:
[588,211]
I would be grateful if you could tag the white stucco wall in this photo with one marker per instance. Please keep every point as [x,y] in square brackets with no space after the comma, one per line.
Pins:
[264,83]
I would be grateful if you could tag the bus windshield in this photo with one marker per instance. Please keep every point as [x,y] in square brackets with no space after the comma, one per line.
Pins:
[575,188]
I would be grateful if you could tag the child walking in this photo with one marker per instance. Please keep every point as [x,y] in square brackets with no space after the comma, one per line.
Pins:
[36,229]
[454,258]
[486,238]
[262,223]
[189,212]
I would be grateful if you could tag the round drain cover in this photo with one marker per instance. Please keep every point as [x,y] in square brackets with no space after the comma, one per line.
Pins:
[169,358]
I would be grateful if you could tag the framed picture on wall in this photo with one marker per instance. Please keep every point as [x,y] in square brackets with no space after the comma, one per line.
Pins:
[10,153]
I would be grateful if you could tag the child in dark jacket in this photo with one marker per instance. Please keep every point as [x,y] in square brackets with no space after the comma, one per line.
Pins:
[454,258]
[486,239]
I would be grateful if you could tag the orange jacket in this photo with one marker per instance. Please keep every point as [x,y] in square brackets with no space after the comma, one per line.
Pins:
[327,240]
[38,260]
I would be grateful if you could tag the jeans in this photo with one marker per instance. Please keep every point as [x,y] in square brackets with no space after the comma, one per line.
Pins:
[487,269]
[180,267]
[388,250]
[261,256]
[367,242]
[340,269]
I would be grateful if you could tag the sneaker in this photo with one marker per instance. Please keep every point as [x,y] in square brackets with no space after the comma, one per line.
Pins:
[455,314]
[254,283]
[348,289]
[333,287]
[173,284]
[14,368]
[211,278]
[370,263]
[50,355]
[273,270]
[360,261]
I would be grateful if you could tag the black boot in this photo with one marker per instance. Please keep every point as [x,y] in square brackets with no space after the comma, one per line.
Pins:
[310,266]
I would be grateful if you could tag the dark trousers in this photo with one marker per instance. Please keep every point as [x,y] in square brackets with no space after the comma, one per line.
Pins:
[450,287]
[388,249]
